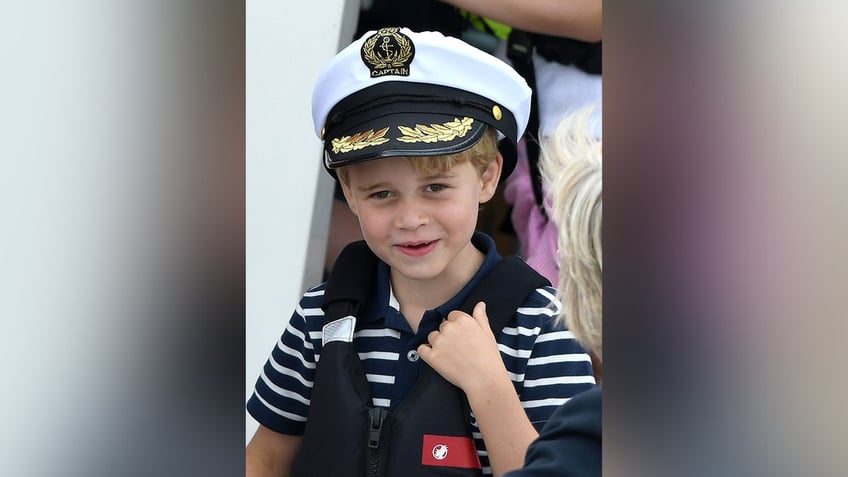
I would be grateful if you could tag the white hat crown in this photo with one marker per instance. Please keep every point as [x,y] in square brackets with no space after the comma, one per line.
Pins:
[437,59]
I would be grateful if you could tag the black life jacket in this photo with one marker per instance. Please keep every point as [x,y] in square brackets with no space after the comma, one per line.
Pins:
[428,433]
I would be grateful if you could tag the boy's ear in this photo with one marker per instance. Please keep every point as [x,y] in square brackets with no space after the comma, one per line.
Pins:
[490,178]
[348,197]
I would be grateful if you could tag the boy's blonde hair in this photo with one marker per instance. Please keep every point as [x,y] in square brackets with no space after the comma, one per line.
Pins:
[480,155]
[572,172]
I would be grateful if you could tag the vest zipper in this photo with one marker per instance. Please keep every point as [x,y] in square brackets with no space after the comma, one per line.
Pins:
[376,416]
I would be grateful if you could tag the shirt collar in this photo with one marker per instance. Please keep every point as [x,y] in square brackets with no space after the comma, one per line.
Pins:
[383,299]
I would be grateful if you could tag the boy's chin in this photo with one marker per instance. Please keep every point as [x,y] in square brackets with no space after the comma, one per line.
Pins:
[420,272]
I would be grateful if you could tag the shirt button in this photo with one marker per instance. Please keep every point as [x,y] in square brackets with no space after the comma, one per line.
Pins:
[412,355]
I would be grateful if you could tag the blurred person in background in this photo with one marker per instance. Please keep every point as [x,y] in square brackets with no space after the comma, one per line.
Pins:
[571,165]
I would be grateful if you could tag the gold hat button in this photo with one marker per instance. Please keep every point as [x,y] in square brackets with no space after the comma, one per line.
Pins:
[496,112]
[322,133]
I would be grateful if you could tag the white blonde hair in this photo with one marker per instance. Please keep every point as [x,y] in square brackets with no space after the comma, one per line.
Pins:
[571,170]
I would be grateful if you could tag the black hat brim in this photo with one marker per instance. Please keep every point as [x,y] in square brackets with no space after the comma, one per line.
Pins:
[403,119]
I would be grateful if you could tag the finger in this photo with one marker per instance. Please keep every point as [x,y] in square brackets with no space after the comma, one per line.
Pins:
[424,352]
[456,315]
[479,314]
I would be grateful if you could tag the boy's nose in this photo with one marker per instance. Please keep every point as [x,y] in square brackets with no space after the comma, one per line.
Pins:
[410,215]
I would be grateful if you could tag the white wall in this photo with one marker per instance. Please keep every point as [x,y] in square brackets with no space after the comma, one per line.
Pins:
[288,193]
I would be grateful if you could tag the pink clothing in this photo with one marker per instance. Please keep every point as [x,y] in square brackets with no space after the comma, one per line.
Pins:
[537,236]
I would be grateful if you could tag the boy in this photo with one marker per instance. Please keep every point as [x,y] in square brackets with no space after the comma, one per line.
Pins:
[410,123]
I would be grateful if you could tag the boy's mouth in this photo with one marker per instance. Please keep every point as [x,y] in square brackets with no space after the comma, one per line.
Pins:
[417,249]
[415,246]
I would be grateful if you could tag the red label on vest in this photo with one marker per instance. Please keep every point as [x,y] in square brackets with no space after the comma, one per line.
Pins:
[447,451]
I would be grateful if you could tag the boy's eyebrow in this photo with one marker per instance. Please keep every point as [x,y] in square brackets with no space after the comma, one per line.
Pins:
[438,175]
[370,187]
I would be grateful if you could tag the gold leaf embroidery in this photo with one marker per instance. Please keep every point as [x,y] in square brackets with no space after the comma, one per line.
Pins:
[359,140]
[436,132]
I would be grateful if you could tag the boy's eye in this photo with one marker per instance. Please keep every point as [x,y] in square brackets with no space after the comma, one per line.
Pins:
[383,194]
[435,187]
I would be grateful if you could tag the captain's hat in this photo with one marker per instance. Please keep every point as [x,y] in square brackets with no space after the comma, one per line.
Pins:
[395,92]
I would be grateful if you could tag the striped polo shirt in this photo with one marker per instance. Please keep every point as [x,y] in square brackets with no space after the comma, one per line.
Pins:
[546,364]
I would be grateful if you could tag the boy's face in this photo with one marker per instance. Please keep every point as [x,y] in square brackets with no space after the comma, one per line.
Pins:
[421,225]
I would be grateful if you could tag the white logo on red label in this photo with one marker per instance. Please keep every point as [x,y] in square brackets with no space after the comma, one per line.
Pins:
[463,452]
[440,451]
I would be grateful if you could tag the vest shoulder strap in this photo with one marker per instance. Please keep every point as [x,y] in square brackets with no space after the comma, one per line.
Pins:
[350,281]
[504,289]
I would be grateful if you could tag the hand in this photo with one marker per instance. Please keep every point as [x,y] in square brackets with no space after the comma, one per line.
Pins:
[464,351]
